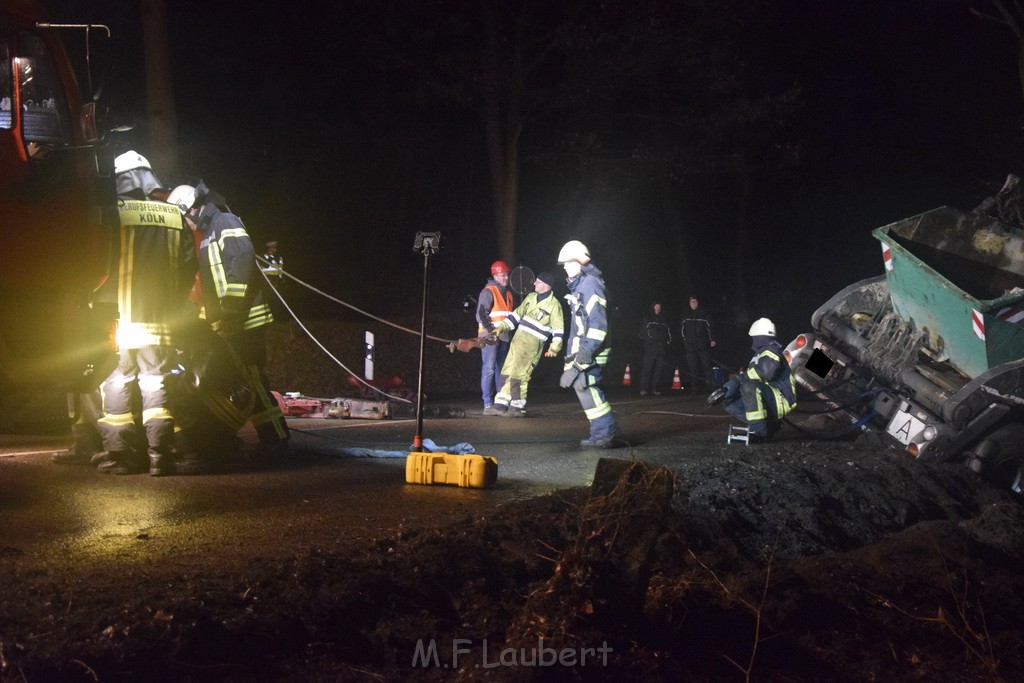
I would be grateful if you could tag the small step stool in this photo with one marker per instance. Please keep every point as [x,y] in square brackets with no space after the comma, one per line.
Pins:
[739,433]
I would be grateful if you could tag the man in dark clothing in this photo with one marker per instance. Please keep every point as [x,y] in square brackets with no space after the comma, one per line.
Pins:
[698,340]
[655,333]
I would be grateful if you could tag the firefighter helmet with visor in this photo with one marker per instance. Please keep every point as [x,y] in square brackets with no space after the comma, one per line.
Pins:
[762,327]
[574,250]
[183,196]
[129,161]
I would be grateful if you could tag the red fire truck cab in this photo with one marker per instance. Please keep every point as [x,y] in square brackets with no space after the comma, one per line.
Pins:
[54,246]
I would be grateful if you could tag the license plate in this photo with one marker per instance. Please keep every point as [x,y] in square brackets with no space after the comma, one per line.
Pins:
[903,427]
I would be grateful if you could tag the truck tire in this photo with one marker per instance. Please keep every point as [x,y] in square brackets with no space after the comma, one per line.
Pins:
[1002,457]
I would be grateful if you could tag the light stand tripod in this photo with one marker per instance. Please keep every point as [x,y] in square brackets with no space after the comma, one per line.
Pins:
[428,243]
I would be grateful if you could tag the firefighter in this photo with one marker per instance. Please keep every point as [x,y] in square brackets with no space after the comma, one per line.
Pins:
[273,270]
[537,320]
[765,391]
[275,263]
[156,268]
[588,349]
[494,304]
[234,302]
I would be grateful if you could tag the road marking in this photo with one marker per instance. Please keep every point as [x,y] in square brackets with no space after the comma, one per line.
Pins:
[11,455]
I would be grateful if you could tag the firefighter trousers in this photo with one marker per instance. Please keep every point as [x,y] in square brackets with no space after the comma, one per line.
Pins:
[523,355]
[267,416]
[754,403]
[136,417]
[595,404]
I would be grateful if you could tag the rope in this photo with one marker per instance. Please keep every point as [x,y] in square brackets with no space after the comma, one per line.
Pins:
[346,304]
[317,341]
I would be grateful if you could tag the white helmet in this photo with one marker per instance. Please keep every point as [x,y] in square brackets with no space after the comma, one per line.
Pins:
[129,161]
[762,327]
[574,250]
[184,196]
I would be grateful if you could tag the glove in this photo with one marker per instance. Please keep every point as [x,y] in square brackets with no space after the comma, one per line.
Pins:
[231,322]
[584,358]
[716,396]
[568,377]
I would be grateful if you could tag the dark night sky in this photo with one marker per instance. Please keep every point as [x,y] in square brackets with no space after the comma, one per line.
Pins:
[905,106]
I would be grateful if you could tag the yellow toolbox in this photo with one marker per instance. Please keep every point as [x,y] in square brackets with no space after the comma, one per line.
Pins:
[476,471]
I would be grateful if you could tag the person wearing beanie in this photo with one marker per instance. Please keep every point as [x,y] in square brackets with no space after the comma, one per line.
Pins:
[537,320]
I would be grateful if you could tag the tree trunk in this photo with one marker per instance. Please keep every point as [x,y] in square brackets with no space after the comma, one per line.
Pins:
[741,291]
[503,125]
[160,112]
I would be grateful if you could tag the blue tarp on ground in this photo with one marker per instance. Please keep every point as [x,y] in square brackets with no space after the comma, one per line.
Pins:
[428,447]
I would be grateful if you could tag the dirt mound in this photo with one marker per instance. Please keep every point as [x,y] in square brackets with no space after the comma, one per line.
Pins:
[792,560]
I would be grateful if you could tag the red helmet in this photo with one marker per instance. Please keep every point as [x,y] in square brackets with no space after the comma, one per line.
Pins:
[499,267]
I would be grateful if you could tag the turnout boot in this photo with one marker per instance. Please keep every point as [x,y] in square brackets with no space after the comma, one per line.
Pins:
[122,462]
[599,442]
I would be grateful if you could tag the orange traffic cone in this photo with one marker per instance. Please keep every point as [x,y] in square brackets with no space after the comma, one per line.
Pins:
[626,380]
[676,384]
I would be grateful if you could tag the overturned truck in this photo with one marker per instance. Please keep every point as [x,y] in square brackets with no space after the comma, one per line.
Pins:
[931,353]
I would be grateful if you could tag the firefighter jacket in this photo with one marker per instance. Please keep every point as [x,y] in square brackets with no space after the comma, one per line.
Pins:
[696,330]
[275,264]
[588,313]
[494,304]
[156,268]
[231,283]
[539,318]
[770,367]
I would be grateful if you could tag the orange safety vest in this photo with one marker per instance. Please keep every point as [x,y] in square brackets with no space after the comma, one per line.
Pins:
[501,308]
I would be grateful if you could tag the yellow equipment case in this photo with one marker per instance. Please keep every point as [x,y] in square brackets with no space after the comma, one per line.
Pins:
[476,471]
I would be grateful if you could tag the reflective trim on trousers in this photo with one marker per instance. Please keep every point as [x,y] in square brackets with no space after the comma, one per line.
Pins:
[269,422]
[158,413]
[117,419]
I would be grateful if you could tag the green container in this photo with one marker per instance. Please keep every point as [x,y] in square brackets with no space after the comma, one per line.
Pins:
[959,277]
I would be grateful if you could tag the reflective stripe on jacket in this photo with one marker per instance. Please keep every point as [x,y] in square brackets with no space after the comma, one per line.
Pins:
[539,318]
[500,307]
[769,366]
[230,277]
[588,328]
[156,267]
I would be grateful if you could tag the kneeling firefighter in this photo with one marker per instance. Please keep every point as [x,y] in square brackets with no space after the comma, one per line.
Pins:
[234,302]
[765,391]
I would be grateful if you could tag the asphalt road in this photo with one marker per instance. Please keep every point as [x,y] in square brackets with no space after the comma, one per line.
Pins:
[61,515]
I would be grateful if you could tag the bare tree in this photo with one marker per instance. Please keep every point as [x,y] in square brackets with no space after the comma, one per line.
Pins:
[161,115]
[1010,13]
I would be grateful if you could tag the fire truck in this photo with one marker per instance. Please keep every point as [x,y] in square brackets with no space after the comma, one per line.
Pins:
[55,246]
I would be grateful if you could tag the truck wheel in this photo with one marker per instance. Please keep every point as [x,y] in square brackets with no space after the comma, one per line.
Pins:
[1002,457]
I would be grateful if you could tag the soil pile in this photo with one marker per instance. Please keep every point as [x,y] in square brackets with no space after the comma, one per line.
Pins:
[790,560]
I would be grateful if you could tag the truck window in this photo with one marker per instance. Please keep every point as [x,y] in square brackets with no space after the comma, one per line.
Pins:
[6,92]
[43,107]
